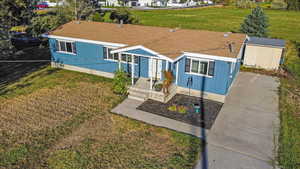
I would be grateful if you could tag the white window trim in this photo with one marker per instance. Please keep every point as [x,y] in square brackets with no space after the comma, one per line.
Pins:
[107,54]
[65,52]
[203,60]
[113,60]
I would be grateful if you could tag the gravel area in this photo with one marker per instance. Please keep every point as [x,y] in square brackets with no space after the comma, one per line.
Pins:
[209,110]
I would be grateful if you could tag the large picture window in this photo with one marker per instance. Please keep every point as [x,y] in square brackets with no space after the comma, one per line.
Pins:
[199,66]
[66,46]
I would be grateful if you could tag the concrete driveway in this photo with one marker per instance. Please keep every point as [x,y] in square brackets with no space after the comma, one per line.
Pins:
[243,134]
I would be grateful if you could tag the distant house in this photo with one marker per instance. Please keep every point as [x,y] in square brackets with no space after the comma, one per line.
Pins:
[203,63]
[134,3]
[264,53]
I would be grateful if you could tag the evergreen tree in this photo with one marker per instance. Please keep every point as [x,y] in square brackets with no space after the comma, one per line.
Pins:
[256,23]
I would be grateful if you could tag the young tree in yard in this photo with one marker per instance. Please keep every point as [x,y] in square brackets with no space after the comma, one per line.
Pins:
[256,23]
[123,14]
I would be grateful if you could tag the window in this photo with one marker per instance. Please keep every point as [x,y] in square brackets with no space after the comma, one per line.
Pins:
[195,66]
[66,46]
[124,57]
[199,66]
[127,58]
[108,55]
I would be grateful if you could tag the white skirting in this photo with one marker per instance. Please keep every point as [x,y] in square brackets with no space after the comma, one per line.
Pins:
[205,95]
[84,70]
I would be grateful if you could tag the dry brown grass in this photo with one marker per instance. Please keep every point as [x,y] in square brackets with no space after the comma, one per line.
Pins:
[47,108]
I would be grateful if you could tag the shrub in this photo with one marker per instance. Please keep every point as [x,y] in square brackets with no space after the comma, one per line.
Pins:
[278,4]
[182,109]
[124,15]
[173,108]
[168,81]
[120,82]
[97,17]
[158,87]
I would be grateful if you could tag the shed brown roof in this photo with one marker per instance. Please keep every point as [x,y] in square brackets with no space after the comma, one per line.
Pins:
[166,41]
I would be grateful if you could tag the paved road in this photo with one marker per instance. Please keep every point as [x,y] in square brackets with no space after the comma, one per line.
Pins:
[243,134]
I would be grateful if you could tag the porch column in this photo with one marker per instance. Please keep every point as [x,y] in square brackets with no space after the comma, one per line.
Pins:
[119,60]
[167,65]
[151,74]
[132,69]
[177,63]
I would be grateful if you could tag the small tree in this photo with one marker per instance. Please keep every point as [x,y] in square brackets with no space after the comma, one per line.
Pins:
[120,82]
[124,15]
[256,23]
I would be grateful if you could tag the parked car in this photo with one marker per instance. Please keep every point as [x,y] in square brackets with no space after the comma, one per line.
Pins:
[23,40]
[42,5]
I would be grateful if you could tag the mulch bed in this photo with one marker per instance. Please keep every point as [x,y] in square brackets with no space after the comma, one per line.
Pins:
[209,110]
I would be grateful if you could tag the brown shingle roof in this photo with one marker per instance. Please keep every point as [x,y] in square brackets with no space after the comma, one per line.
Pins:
[159,39]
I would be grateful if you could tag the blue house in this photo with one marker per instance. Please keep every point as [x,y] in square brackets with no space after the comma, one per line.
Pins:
[203,63]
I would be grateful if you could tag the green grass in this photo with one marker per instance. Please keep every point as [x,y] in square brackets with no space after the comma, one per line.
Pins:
[283,24]
[63,121]
[289,145]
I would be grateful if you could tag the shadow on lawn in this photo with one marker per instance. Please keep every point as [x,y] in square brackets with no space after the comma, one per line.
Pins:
[13,71]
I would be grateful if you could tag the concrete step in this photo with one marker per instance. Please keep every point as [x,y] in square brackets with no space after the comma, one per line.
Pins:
[138,90]
[137,94]
[136,98]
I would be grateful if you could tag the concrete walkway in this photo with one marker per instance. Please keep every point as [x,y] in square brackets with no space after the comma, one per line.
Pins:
[128,108]
[243,134]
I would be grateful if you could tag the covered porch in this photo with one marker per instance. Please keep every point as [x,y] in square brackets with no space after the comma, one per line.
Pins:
[146,70]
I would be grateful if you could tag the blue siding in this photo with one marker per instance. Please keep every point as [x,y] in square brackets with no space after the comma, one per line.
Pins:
[90,56]
[218,84]
[139,52]
[234,72]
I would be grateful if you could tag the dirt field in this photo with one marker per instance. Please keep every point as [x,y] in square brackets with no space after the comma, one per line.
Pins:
[60,119]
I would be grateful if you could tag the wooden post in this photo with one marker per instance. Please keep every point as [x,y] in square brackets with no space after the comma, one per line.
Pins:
[167,65]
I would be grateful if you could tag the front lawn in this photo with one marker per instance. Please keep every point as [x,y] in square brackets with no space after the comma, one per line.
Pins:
[61,119]
[283,24]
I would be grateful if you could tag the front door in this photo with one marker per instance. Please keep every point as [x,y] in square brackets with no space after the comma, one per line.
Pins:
[155,68]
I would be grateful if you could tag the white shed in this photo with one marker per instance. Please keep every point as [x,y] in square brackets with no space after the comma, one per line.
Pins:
[264,53]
